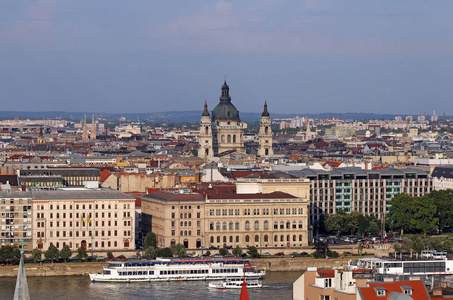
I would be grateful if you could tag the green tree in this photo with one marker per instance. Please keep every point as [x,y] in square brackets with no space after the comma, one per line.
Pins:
[10,254]
[223,251]
[65,253]
[150,240]
[82,253]
[52,253]
[436,244]
[352,221]
[363,223]
[252,251]
[336,223]
[208,253]
[36,254]
[418,243]
[444,209]
[109,254]
[237,251]
[401,212]
[178,250]
[151,252]
[165,252]
[321,248]
[423,214]
[374,227]
[447,245]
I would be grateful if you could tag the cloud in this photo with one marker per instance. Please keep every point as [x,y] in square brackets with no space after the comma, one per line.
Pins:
[36,26]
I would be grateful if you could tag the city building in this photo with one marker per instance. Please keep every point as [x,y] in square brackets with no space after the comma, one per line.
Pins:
[219,219]
[57,177]
[366,191]
[175,217]
[97,219]
[16,219]
[442,177]
[277,220]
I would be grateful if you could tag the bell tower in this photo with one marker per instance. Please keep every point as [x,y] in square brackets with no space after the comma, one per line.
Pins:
[205,150]
[265,134]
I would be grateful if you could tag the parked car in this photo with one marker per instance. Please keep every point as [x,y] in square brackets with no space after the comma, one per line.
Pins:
[133,257]
[74,258]
[101,258]
[203,248]
[228,247]
[303,253]
[294,253]
[266,254]
[279,254]
[213,248]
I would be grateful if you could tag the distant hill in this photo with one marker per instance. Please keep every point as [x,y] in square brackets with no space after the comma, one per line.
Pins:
[183,116]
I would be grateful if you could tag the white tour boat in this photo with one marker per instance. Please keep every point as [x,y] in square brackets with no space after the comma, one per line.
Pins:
[177,270]
[236,283]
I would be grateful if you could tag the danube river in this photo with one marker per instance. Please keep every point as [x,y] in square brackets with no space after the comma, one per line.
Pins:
[276,285]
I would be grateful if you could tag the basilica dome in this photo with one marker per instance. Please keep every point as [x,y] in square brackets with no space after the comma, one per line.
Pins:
[225,110]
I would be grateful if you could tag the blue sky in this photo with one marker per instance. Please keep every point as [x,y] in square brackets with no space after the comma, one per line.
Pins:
[309,56]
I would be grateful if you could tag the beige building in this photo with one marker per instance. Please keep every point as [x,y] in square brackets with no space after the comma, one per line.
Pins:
[299,187]
[16,219]
[98,219]
[175,218]
[139,182]
[263,220]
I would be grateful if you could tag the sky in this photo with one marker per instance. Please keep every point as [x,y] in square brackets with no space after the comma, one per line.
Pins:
[302,56]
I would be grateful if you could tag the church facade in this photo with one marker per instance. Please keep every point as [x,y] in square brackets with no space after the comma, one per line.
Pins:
[221,132]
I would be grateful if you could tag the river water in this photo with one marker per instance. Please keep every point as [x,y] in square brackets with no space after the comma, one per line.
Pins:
[276,286]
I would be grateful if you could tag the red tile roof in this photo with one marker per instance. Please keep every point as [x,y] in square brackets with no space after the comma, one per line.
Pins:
[326,273]
[419,291]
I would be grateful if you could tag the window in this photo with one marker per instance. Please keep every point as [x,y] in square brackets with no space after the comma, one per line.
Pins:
[325,297]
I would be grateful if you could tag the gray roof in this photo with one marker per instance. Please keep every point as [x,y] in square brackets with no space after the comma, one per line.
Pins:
[15,194]
[356,171]
[80,194]
[445,172]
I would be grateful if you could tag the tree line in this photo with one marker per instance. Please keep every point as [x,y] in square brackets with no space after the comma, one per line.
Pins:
[349,224]
[426,214]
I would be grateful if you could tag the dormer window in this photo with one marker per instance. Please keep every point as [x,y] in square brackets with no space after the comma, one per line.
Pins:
[407,290]
[380,291]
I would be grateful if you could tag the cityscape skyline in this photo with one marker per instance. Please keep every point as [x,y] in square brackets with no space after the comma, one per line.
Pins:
[303,56]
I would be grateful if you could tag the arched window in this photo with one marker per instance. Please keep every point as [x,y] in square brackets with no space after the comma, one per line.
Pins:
[257,238]
[206,130]
[222,138]
[229,139]
[109,244]
[115,244]
[288,225]
[237,239]
[275,238]
[282,238]
[288,238]
[300,237]
[294,225]
[266,238]
[236,225]
[96,244]
[126,243]
[211,226]
[224,239]
[217,226]
[266,152]
[266,129]
[266,225]
[218,239]
[247,239]
[212,239]
[231,239]
[294,238]
[230,226]
[300,225]
[257,225]
[275,225]
[282,225]
[102,244]
[234,138]
[224,226]
[247,225]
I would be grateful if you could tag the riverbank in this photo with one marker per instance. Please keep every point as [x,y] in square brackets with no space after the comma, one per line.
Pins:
[83,269]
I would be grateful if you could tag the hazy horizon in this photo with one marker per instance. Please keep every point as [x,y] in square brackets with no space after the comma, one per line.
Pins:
[383,57]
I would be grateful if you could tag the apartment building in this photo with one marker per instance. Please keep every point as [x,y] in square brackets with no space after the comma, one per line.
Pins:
[97,219]
[366,191]
[16,219]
